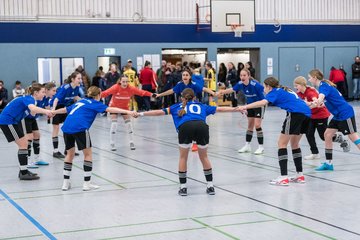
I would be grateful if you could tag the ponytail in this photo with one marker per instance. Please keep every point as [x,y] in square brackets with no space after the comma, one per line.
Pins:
[187,95]
[316,73]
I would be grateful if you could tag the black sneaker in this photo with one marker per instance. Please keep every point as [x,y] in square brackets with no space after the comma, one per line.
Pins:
[28,176]
[58,155]
[210,191]
[183,191]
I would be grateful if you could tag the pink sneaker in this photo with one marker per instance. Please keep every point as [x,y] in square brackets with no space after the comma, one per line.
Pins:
[297,179]
[280,181]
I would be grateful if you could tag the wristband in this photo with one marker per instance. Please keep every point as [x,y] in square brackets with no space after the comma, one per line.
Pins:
[141,114]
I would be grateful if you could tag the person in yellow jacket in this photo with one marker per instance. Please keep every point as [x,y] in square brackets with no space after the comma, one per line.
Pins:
[211,81]
[134,82]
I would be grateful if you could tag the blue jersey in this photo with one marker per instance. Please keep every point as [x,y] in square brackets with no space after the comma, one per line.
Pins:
[288,101]
[81,115]
[335,102]
[198,79]
[254,91]
[16,110]
[180,86]
[66,94]
[195,111]
[41,104]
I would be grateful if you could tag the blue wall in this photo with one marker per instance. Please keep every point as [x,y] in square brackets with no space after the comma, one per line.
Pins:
[22,43]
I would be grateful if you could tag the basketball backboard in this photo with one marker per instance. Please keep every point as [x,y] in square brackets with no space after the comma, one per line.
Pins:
[225,13]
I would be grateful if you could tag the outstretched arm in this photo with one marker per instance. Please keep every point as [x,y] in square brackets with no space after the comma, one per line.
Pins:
[229,109]
[119,110]
[209,91]
[153,113]
[34,110]
[257,104]
[168,92]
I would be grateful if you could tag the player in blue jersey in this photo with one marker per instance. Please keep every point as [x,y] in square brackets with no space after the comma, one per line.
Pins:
[190,122]
[343,115]
[66,95]
[32,129]
[253,91]
[187,83]
[296,122]
[10,124]
[80,117]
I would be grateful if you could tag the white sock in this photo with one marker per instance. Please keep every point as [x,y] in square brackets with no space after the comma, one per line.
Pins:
[56,150]
[130,129]
[210,184]
[182,185]
[113,128]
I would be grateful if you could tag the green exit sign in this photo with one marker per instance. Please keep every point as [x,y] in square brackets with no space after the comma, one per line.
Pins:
[109,51]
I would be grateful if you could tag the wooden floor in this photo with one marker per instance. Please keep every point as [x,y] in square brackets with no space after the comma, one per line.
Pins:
[138,196]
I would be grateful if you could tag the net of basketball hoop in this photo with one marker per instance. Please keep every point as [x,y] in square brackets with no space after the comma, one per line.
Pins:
[237,29]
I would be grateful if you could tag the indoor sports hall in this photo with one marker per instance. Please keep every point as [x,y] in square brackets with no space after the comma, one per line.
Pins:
[138,195]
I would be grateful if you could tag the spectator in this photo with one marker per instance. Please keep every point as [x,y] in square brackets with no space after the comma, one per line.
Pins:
[129,65]
[250,67]
[346,95]
[240,67]
[222,74]
[147,79]
[18,90]
[3,95]
[337,77]
[111,78]
[356,77]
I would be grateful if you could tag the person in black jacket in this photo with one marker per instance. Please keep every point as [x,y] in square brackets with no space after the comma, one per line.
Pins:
[356,77]
[3,95]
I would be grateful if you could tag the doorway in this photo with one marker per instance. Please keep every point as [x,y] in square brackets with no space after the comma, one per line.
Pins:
[240,55]
[105,61]
[56,70]
[195,57]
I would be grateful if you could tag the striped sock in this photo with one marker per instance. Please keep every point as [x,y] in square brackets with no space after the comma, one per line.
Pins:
[249,135]
[209,177]
[23,160]
[283,159]
[328,155]
[260,136]
[297,159]
[67,170]
[87,170]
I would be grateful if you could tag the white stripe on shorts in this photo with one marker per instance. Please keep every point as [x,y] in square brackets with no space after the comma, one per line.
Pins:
[13,132]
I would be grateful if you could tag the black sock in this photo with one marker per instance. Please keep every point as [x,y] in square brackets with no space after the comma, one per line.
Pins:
[249,135]
[297,159]
[87,170]
[36,146]
[283,159]
[23,160]
[55,141]
[260,136]
[208,175]
[29,147]
[67,170]
[182,177]
[328,154]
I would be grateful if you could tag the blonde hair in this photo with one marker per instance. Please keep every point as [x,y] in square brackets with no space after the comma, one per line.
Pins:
[187,95]
[316,73]
[93,91]
[300,81]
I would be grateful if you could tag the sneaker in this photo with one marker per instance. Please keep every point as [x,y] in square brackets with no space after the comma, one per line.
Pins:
[32,165]
[194,147]
[183,191]
[66,185]
[345,146]
[312,157]
[244,149]
[210,190]
[28,176]
[259,151]
[87,186]
[112,146]
[41,163]
[132,146]
[58,155]
[325,167]
[280,181]
[297,179]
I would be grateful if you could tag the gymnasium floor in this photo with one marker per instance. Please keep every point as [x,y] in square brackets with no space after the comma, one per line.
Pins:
[138,195]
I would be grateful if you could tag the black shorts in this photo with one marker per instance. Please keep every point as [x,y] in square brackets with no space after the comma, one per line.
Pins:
[13,132]
[347,126]
[256,112]
[295,124]
[59,118]
[82,140]
[30,125]
[197,131]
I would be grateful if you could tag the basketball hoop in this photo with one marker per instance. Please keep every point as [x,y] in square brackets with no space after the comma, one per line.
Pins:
[237,29]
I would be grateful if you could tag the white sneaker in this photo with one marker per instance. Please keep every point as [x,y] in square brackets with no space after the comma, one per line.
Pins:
[87,186]
[112,146]
[132,146]
[66,185]
[244,149]
[280,181]
[259,151]
[312,157]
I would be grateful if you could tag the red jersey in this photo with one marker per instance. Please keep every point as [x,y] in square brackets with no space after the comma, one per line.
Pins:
[316,113]
[121,96]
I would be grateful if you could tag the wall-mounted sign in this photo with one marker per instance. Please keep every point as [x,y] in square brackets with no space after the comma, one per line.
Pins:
[109,51]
